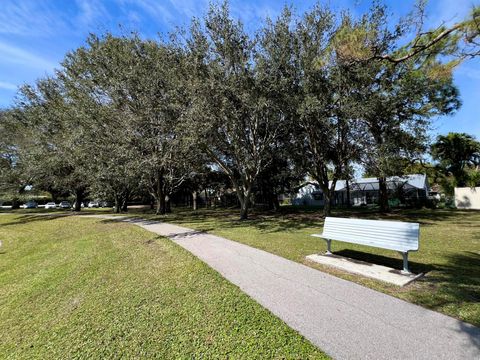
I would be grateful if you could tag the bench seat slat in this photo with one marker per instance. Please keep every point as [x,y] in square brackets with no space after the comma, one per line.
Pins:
[380,237]
[356,237]
[379,233]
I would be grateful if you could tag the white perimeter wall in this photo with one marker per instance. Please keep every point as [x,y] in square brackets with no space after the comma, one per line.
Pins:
[467,198]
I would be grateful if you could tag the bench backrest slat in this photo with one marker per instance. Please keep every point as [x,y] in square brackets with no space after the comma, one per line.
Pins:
[393,235]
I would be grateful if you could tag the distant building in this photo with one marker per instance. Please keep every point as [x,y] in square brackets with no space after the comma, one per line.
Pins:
[364,191]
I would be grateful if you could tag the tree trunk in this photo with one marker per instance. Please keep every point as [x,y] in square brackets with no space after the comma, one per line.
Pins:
[124,205]
[118,204]
[328,198]
[327,204]
[54,195]
[268,199]
[321,176]
[383,194]
[194,200]
[161,208]
[275,202]
[15,204]
[349,204]
[159,195]
[244,198]
[125,198]
[271,198]
[168,205]
[78,199]
[158,208]
[244,209]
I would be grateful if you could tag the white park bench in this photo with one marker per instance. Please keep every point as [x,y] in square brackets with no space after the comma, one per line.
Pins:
[391,235]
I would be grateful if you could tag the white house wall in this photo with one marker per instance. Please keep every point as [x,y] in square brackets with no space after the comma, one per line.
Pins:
[305,196]
[467,198]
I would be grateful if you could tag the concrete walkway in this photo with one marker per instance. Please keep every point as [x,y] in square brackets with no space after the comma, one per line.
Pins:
[346,320]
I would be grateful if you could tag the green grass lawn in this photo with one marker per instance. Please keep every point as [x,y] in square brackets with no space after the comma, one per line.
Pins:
[83,288]
[449,250]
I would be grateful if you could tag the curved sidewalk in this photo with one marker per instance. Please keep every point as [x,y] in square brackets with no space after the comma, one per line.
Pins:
[346,320]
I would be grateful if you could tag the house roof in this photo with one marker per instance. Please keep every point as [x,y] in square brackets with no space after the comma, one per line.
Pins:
[412,181]
[417,181]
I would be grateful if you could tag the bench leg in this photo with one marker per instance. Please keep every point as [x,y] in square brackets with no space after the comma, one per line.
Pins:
[405,263]
[329,249]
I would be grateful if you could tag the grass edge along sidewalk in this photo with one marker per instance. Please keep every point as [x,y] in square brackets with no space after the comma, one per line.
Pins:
[71,287]
[344,319]
[449,251]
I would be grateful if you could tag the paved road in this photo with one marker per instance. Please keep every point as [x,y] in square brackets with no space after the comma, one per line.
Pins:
[346,320]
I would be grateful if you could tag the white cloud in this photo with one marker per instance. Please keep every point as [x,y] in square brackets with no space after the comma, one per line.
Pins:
[34,18]
[253,14]
[152,8]
[7,86]
[448,11]
[91,11]
[18,56]
[190,8]
[134,17]
[30,18]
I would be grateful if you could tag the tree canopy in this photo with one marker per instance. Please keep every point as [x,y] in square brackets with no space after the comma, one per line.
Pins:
[458,154]
[305,95]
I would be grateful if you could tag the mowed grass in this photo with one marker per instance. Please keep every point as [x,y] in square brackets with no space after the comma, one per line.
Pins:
[449,250]
[86,288]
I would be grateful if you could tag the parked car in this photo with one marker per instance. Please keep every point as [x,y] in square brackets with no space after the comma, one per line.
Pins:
[50,205]
[30,205]
[64,205]
[93,204]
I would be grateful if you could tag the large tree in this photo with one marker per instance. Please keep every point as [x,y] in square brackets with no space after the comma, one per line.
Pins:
[14,173]
[233,115]
[391,83]
[398,106]
[277,74]
[457,153]
[136,86]
[57,153]
[329,131]
[454,43]
[318,93]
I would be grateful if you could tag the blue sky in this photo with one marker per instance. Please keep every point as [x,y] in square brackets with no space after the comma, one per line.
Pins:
[36,34]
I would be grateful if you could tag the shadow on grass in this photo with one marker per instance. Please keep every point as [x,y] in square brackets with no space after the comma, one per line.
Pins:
[296,218]
[462,273]
[452,284]
[392,262]
[291,218]
[456,284]
[422,216]
[141,221]
[27,218]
